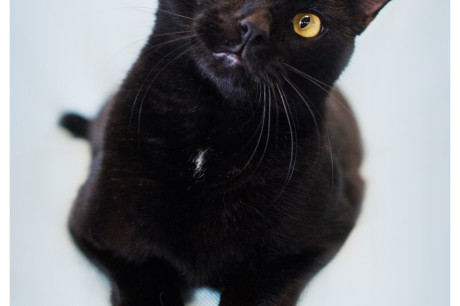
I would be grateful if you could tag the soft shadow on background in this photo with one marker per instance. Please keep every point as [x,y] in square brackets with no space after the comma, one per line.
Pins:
[70,55]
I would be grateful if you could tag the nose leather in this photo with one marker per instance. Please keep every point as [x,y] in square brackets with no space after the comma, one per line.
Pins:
[253,33]
[254,30]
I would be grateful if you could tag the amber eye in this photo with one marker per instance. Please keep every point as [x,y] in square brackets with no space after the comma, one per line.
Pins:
[307,25]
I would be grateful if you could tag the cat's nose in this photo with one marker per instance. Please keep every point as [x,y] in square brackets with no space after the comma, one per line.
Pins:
[253,34]
[255,28]
[251,31]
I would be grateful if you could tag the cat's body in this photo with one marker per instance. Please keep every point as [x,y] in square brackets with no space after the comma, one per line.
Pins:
[227,177]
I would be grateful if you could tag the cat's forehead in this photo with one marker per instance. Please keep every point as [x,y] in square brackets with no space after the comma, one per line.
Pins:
[337,13]
[329,7]
[273,3]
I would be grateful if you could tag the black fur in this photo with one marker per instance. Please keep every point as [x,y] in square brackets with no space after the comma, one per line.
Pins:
[225,159]
[75,124]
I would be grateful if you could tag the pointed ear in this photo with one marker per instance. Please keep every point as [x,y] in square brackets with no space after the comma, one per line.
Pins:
[366,10]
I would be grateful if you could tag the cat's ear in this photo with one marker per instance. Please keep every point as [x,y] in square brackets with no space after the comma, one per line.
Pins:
[366,10]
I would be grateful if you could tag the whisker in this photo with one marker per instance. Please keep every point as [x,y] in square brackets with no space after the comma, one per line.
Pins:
[262,92]
[152,9]
[308,76]
[143,40]
[150,72]
[332,158]
[262,89]
[153,80]
[323,86]
[117,53]
[316,125]
[288,114]
[260,134]
[305,102]
[171,33]
[175,14]
[277,116]
[155,47]
[267,141]
[295,133]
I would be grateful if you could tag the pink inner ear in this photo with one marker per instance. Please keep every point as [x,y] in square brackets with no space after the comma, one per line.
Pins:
[371,7]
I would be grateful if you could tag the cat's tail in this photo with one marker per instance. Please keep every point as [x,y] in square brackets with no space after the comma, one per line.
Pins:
[77,125]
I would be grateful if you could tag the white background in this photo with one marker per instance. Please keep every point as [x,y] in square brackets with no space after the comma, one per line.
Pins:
[73,54]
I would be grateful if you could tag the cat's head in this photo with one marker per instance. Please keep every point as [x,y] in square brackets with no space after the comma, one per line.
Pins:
[240,44]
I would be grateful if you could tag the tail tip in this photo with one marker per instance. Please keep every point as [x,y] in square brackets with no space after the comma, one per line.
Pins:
[75,124]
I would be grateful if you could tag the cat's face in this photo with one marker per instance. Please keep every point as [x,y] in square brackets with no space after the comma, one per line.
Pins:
[241,44]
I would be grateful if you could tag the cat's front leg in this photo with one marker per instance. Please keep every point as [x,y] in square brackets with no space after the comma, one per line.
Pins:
[152,282]
[149,284]
[278,283]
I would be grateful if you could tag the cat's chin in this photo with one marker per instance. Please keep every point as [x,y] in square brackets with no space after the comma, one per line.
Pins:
[233,90]
[232,75]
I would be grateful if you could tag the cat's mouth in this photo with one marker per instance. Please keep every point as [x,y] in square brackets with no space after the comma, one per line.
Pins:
[236,74]
[233,72]
[229,59]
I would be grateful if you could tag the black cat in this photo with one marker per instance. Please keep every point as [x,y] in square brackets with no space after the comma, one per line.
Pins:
[226,159]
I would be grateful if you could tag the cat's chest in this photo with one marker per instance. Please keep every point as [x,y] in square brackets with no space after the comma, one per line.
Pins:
[204,203]
[199,163]
[210,167]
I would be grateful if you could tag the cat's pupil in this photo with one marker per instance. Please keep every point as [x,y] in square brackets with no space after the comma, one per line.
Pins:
[304,22]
